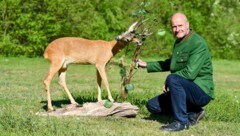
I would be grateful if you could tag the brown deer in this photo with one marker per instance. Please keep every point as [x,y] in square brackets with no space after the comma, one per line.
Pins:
[67,50]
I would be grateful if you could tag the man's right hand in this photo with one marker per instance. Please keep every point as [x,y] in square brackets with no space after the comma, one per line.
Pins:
[141,64]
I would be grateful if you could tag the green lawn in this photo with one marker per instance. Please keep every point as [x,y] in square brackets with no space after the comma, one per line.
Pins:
[22,95]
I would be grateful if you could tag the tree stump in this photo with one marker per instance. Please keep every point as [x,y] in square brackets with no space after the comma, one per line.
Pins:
[124,109]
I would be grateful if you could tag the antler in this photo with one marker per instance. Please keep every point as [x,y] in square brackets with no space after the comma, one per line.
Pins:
[145,31]
[141,23]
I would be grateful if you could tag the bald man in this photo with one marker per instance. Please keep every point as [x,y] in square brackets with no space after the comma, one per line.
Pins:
[189,86]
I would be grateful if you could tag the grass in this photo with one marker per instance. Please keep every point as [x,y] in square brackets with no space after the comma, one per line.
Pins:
[22,95]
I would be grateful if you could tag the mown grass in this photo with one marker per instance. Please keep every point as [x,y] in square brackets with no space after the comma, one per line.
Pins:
[22,95]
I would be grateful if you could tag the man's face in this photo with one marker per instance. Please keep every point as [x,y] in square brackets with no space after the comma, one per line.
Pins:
[180,26]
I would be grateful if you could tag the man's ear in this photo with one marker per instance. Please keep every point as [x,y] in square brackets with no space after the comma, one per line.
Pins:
[187,24]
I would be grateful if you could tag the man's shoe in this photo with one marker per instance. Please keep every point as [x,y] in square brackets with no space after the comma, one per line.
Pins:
[194,118]
[175,126]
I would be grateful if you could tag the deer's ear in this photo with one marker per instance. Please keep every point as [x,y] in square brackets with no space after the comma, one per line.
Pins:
[131,28]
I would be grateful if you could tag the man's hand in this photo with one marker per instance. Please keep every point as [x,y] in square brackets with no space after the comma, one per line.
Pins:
[141,64]
[164,88]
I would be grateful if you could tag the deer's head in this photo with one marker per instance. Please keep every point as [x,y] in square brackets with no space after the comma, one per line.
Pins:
[129,35]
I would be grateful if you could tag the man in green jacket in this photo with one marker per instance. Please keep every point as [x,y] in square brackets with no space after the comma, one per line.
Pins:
[189,86]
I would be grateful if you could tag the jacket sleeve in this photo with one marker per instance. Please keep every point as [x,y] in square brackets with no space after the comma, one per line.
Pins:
[158,66]
[195,63]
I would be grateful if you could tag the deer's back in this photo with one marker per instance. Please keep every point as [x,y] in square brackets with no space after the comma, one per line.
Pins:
[78,50]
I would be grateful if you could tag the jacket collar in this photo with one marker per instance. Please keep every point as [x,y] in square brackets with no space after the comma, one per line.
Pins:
[185,37]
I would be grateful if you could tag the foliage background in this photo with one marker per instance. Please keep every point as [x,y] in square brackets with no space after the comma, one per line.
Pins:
[28,26]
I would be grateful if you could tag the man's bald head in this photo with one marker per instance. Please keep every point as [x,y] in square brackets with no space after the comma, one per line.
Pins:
[180,25]
[179,16]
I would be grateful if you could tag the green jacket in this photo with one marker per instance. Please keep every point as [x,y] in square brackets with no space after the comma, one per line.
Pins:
[191,59]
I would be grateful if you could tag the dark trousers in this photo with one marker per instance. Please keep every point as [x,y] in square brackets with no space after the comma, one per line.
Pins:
[183,98]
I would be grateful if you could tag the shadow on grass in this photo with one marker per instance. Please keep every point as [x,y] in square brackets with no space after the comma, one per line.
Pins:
[162,118]
[59,103]
[165,119]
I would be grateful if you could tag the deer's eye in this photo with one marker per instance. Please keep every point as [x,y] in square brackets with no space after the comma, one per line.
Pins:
[132,32]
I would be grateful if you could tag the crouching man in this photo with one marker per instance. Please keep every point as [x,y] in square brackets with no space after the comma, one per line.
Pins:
[189,86]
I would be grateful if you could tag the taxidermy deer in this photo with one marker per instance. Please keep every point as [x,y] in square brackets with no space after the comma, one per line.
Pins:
[67,50]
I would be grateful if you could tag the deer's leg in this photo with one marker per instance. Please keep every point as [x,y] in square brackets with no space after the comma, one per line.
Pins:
[62,82]
[54,67]
[101,70]
[99,83]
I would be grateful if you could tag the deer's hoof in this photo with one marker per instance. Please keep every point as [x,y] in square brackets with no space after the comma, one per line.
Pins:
[72,106]
[78,105]
[111,100]
[51,109]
